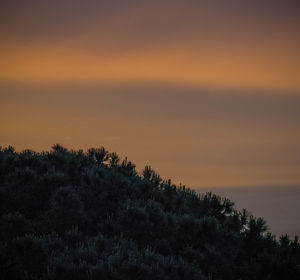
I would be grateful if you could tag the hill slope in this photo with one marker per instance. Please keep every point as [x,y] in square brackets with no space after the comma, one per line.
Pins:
[74,215]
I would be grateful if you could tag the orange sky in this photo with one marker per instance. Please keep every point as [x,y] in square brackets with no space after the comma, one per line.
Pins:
[212,86]
[252,45]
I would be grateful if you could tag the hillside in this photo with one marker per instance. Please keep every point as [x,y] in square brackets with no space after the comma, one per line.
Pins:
[89,215]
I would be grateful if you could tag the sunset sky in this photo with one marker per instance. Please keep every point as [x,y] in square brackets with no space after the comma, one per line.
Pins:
[206,92]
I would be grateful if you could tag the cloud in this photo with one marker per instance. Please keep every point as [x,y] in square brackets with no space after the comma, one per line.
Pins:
[195,42]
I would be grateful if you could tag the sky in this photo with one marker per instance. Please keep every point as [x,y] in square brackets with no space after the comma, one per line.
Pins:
[206,92]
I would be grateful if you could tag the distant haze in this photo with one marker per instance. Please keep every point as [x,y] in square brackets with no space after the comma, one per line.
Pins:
[278,205]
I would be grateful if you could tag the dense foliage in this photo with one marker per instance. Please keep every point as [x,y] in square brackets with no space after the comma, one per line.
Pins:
[72,215]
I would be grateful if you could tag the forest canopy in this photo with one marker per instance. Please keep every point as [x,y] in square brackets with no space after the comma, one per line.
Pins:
[70,214]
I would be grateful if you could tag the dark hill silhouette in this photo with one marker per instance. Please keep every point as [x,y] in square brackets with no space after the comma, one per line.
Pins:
[73,215]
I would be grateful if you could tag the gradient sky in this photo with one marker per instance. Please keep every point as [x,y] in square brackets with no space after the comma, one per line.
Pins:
[206,92]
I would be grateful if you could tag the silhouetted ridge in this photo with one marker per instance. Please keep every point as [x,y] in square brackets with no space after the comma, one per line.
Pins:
[69,214]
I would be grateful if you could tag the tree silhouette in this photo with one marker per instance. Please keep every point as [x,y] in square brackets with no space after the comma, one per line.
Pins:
[67,214]
[99,155]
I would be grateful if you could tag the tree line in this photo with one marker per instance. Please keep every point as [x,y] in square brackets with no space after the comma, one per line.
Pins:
[70,214]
